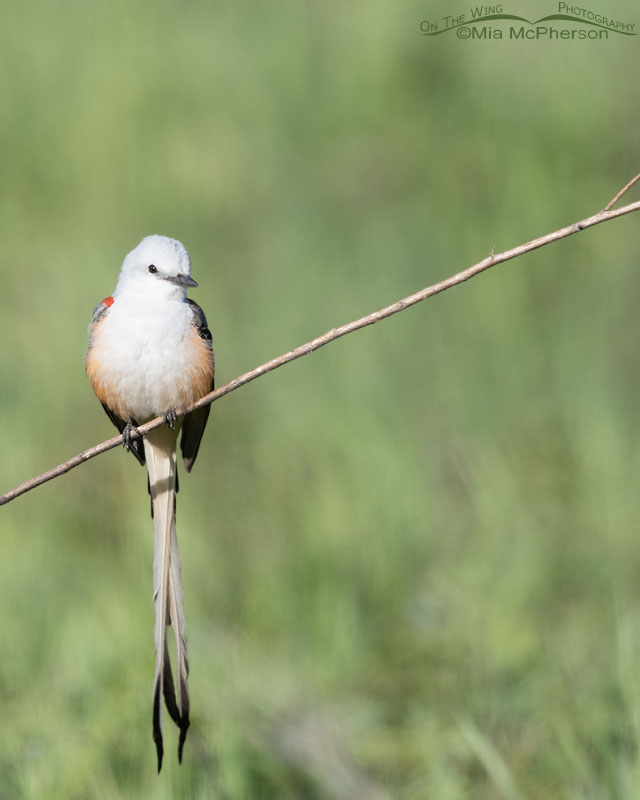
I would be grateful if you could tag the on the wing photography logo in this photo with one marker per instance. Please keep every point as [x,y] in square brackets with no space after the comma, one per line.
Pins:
[569,22]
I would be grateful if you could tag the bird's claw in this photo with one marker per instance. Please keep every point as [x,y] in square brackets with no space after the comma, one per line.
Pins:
[126,435]
[170,417]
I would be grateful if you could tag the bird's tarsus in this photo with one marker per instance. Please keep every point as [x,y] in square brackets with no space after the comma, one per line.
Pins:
[170,417]
[126,435]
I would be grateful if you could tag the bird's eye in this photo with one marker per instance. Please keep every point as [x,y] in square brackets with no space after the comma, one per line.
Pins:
[152,268]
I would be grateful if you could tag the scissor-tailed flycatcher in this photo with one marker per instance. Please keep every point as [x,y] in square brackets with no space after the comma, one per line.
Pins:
[150,355]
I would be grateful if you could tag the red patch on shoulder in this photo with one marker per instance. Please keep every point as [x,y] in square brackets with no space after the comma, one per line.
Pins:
[189,300]
[108,301]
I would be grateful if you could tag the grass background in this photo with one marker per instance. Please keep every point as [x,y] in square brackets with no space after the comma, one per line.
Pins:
[411,560]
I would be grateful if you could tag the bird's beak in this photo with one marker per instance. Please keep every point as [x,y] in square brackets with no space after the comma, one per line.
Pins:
[182,280]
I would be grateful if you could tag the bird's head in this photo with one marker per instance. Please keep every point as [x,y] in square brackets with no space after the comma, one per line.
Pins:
[158,267]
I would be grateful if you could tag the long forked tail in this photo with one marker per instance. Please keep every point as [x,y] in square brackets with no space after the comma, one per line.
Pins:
[160,452]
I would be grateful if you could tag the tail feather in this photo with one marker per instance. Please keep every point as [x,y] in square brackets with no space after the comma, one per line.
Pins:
[160,451]
[168,688]
[176,614]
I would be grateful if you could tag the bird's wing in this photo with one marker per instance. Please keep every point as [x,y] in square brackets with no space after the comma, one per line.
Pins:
[100,311]
[194,423]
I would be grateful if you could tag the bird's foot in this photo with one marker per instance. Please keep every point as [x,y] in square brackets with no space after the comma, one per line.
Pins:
[170,417]
[126,435]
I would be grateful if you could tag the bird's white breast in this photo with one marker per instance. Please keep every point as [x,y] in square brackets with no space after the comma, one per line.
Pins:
[142,357]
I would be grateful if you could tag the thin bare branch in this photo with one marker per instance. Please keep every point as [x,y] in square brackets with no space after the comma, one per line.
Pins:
[622,191]
[335,333]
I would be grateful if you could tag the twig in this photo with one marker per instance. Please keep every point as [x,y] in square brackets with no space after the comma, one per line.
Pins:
[624,189]
[330,336]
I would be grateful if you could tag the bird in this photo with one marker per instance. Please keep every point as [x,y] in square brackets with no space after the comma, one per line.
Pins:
[150,354]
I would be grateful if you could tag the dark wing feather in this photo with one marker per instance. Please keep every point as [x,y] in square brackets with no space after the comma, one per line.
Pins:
[192,430]
[194,423]
[100,309]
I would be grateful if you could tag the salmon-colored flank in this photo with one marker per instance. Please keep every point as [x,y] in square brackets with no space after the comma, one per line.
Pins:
[200,369]
[104,389]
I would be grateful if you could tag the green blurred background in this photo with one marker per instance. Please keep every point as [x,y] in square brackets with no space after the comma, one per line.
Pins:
[411,560]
